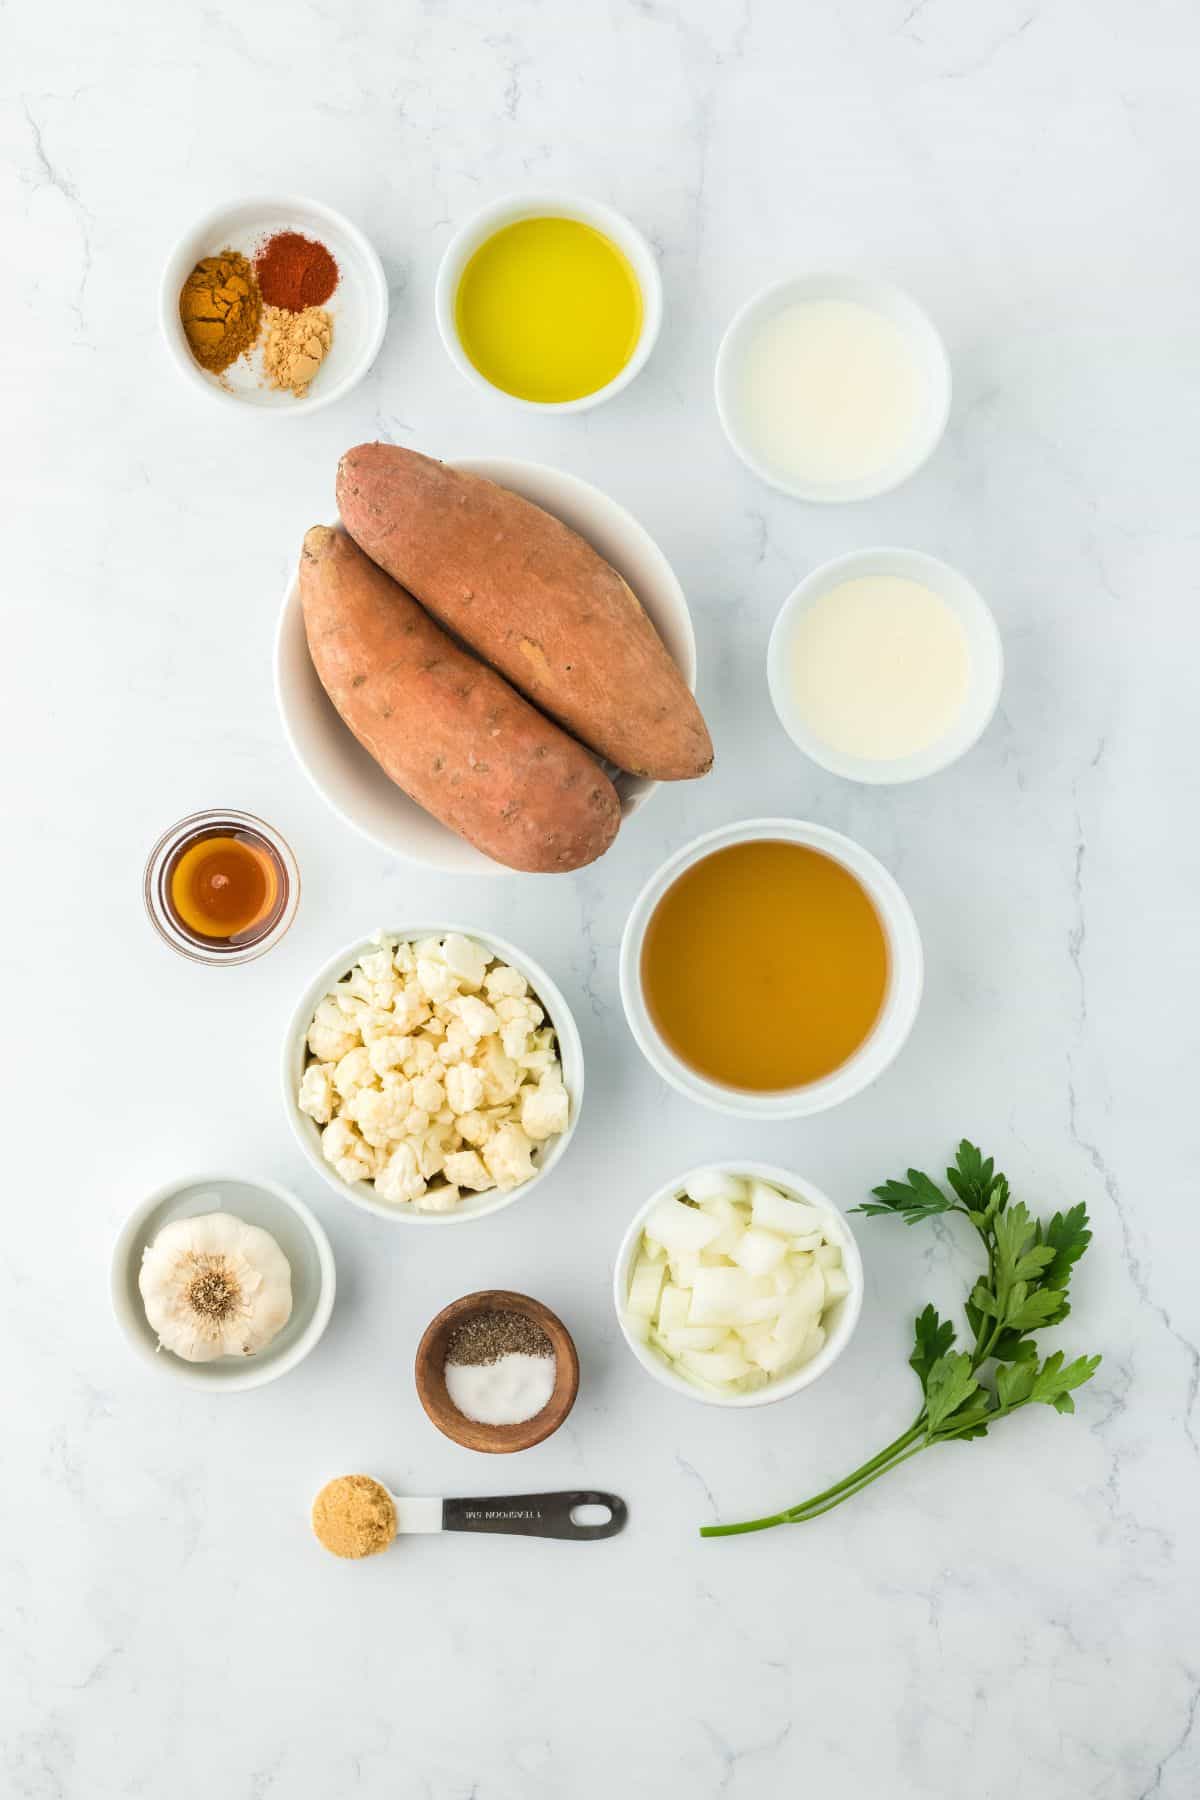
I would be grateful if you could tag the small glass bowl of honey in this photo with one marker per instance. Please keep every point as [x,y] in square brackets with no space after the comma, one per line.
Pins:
[221,887]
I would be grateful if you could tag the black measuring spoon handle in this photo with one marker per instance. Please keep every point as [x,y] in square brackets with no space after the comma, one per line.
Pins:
[536,1515]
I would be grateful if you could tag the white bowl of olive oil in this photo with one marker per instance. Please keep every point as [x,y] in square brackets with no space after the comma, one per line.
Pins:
[552,301]
[772,969]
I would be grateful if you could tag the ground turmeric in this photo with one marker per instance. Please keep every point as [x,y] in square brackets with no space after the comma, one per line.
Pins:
[220,309]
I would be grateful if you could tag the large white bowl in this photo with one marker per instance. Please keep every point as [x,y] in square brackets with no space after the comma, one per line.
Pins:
[842,1318]
[984,649]
[351,781]
[547,1156]
[297,1232]
[513,207]
[359,303]
[880,297]
[905,980]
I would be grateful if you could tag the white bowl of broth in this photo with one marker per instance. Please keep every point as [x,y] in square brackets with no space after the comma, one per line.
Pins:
[771,969]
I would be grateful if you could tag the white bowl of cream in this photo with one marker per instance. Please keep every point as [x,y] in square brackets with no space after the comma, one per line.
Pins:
[833,387]
[885,665]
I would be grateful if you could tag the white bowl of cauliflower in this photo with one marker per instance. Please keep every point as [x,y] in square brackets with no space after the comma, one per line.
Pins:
[432,1075]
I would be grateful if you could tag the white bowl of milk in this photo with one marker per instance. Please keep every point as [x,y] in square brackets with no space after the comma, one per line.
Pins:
[833,387]
[885,665]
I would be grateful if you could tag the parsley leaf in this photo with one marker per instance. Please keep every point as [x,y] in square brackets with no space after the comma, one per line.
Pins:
[932,1338]
[915,1199]
[950,1382]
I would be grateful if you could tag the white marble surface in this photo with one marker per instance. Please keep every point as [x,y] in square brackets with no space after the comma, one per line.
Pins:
[1016,1617]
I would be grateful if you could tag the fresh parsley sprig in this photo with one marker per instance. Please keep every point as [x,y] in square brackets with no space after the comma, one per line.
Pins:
[967,1391]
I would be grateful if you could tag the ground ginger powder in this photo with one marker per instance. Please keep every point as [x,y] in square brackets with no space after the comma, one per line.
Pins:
[354,1516]
[295,346]
[220,309]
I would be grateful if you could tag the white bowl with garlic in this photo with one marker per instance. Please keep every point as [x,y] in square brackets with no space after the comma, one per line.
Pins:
[738,1284]
[432,1075]
[221,1282]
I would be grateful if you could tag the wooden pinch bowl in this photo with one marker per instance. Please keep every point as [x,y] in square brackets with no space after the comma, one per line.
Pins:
[496,1440]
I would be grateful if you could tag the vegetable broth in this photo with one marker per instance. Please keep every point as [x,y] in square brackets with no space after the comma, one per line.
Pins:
[765,966]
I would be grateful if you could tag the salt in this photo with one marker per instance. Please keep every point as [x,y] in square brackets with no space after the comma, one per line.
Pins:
[506,1392]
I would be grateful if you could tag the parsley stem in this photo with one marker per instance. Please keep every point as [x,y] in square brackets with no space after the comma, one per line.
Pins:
[895,1452]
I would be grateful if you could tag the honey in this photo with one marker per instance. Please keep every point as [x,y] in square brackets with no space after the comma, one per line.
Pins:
[224,885]
[765,966]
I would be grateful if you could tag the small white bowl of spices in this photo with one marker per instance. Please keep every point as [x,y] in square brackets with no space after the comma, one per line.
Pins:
[275,302]
[497,1371]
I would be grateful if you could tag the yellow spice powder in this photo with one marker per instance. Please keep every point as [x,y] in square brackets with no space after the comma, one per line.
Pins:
[220,309]
[354,1516]
[295,346]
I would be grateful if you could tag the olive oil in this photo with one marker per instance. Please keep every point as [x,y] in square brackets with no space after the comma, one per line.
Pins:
[224,885]
[765,966]
[549,310]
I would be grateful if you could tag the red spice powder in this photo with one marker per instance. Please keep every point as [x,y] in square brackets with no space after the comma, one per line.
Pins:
[294,272]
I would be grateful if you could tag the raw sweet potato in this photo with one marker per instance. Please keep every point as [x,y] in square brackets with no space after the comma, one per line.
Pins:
[446,728]
[533,599]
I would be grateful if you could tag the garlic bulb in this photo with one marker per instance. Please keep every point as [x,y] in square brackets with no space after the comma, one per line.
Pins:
[215,1286]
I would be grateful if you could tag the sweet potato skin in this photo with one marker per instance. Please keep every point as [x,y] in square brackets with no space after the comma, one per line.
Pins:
[446,728]
[533,599]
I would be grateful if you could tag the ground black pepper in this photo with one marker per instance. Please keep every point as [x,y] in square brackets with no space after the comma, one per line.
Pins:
[487,1336]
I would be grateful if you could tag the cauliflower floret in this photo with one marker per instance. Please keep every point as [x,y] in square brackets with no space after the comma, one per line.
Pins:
[410,1008]
[400,1179]
[465,1169]
[434,1028]
[377,965]
[464,1087]
[376,1022]
[467,959]
[358,983]
[331,1034]
[437,982]
[415,1123]
[430,948]
[508,1156]
[474,1128]
[431,1153]
[420,1059]
[439,1199]
[475,1016]
[404,960]
[501,982]
[379,1113]
[506,1009]
[342,1146]
[354,1071]
[389,1053]
[544,1112]
[428,1093]
[514,1038]
[316,1092]
[501,1077]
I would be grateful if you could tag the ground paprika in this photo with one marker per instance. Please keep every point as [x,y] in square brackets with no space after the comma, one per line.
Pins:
[295,272]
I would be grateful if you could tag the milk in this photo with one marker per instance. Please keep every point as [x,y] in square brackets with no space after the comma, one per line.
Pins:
[829,391]
[879,667]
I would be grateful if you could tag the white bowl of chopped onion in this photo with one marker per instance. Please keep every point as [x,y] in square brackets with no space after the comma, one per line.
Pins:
[738,1284]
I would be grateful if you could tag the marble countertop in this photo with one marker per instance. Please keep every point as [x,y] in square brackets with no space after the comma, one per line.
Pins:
[1017,1616]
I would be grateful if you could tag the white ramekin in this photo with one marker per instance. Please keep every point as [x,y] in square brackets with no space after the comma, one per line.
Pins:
[299,1235]
[881,297]
[843,1317]
[547,1156]
[905,980]
[507,211]
[985,652]
[359,303]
